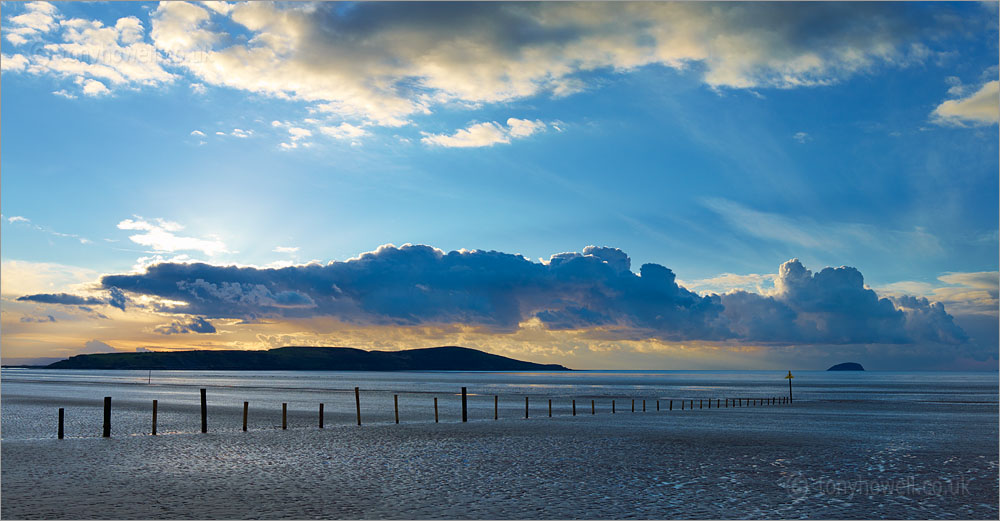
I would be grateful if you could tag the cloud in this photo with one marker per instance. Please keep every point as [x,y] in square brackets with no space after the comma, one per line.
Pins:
[13,63]
[46,318]
[524,127]
[419,284]
[159,235]
[297,133]
[593,290]
[94,88]
[485,134]
[62,298]
[197,133]
[23,278]
[383,63]
[343,131]
[833,306]
[38,18]
[825,236]
[240,133]
[195,325]
[967,293]
[285,249]
[96,347]
[753,282]
[27,222]
[116,298]
[92,55]
[802,137]
[979,108]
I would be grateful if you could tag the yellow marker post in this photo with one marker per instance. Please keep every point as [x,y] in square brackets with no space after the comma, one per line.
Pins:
[789,378]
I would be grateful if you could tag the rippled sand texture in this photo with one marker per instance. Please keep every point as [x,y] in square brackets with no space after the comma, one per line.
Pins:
[777,462]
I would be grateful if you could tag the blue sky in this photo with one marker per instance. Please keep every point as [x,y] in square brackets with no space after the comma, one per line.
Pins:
[719,141]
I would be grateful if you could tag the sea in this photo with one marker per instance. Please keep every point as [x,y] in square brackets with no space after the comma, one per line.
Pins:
[536,445]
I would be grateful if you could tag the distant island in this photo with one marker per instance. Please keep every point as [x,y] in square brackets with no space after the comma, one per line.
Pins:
[296,358]
[847,366]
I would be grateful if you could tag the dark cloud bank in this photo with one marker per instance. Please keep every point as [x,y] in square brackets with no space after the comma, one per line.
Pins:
[116,298]
[413,285]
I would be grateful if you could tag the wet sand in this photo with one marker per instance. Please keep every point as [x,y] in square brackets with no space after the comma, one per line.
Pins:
[809,460]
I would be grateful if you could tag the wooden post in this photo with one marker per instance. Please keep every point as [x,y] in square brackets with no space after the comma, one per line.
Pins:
[107,416]
[320,416]
[633,404]
[284,416]
[574,407]
[593,408]
[700,403]
[60,432]
[671,405]
[246,408]
[691,405]
[644,406]
[465,412]
[550,407]
[657,405]
[204,413]
[709,403]
[496,407]
[395,404]
[612,406]
[435,409]
[154,417]
[682,405]
[525,407]
[357,403]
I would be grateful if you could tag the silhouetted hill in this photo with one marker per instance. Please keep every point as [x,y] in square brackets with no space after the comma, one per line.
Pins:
[450,358]
[847,366]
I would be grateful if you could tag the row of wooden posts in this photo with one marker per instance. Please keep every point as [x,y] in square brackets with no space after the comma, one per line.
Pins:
[719,404]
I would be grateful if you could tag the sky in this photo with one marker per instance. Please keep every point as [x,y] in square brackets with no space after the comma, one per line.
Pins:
[620,186]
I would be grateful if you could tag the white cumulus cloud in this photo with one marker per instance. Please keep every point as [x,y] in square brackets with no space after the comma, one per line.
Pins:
[979,108]
[485,134]
[159,235]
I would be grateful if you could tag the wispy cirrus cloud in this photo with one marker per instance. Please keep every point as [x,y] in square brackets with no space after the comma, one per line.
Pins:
[805,232]
[24,221]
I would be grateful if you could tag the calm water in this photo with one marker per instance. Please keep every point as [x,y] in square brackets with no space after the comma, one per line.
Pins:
[31,397]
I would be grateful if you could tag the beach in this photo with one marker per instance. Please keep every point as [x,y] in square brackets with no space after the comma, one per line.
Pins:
[819,457]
